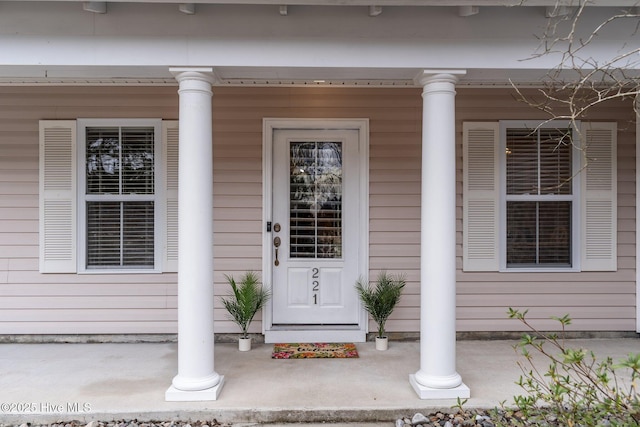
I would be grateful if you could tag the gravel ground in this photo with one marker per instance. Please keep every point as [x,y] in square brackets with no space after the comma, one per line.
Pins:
[459,418]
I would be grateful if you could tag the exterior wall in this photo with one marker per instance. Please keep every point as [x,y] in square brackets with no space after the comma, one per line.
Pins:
[596,300]
[146,303]
[68,303]
[395,137]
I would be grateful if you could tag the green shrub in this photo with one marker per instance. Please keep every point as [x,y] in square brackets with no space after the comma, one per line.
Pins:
[576,389]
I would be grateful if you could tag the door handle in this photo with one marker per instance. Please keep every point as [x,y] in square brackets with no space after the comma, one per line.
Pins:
[276,243]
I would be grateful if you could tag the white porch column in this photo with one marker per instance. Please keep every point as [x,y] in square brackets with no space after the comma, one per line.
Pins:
[437,377]
[196,379]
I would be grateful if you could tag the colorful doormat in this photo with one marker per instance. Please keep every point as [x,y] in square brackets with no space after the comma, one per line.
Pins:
[314,350]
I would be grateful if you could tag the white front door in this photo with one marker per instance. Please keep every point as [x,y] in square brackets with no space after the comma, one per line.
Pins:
[315,227]
[316,239]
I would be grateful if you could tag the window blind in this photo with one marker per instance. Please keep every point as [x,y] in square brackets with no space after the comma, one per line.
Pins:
[120,203]
[315,202]
[539,173]
[539,161]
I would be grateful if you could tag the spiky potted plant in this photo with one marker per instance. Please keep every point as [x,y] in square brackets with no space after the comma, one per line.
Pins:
[380,298]
[248,297]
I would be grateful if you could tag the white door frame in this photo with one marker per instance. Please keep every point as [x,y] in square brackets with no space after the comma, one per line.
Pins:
[320,333]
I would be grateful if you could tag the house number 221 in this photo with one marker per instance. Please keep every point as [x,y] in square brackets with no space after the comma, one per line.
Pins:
[315,284]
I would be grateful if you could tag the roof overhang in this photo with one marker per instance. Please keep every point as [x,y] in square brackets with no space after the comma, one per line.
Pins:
[479,3]
[56,42]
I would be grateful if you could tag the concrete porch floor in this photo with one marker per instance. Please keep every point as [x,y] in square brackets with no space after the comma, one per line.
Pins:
[44,383]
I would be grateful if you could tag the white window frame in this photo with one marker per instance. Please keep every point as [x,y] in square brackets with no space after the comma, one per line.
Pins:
[574,198]
[158,197]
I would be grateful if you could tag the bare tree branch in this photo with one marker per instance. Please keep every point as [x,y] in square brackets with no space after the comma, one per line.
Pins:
[581,80]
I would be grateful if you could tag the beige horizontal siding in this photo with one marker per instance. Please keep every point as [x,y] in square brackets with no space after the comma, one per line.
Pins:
[543,323]
[395,182]
[91,326]
[76,314]
[146,303]
[65,289]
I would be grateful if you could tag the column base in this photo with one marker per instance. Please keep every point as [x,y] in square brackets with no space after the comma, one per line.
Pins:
[461,391]
[174,395]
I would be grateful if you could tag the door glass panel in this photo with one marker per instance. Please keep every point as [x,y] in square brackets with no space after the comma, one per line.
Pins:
[315,200]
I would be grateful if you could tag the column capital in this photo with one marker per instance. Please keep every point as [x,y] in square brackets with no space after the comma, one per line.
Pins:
[204,74]
[428,76]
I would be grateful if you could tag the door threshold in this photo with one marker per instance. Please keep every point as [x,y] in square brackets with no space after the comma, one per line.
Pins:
[314,327]
[323,334]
